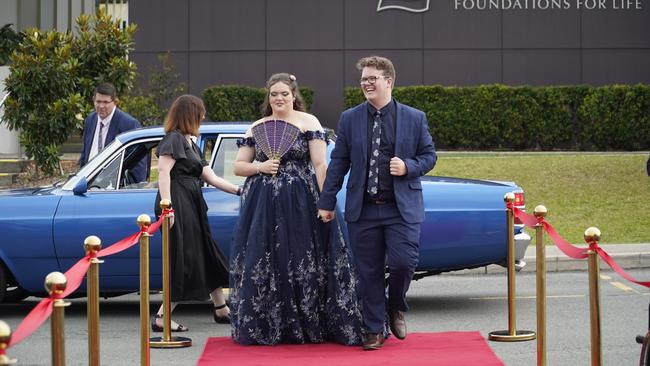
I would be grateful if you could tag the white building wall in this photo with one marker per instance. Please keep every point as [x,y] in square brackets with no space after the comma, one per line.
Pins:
[9,145]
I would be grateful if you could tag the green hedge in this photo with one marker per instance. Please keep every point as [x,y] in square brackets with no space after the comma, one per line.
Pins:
[493,117]
[143,108]
[240,103]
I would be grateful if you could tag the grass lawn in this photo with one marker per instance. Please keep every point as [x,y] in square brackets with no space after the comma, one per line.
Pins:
[608,190]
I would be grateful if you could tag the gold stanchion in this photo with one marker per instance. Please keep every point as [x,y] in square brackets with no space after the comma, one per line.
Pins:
[511,335]
[144,221]
[592,236]
[92,245]
[5,339]
[167,341]
[540,213]
[55,284]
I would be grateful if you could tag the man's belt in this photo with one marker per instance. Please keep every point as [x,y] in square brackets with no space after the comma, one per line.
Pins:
[375,201]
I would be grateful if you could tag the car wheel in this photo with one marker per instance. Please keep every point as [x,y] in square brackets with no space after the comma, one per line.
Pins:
[15,294]
[3,283]
[9,292]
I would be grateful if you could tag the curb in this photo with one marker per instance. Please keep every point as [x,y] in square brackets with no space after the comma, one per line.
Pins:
[628,256]
[558,264]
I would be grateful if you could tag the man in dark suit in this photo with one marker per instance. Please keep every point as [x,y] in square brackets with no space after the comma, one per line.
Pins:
[386,146]
[101,127]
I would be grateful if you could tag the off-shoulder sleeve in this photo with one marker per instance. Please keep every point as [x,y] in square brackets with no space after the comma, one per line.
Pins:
[172,144]
[316,135]
[246,141]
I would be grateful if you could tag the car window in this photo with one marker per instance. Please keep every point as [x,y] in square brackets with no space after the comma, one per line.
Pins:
[124,171]
[208,148]
[139,169]
[223,160]
[135,167]
[108,175]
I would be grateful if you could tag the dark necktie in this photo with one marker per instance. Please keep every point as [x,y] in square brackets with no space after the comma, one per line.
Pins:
[100,137]
[373,170]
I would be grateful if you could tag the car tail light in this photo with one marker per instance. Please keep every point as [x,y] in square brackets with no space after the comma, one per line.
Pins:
[519,200]
[520,204]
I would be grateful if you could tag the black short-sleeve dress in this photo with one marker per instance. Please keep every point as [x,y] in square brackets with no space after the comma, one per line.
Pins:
[197,265]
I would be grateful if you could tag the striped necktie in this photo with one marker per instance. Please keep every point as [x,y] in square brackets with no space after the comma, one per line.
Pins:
[100,137]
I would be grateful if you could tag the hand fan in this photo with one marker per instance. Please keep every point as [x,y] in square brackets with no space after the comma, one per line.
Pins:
[275,137]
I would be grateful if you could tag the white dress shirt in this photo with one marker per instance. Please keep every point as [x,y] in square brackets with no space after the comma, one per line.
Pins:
[106,122]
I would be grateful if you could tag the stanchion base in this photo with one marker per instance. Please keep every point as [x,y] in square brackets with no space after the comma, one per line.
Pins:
[175,342]
[505,336]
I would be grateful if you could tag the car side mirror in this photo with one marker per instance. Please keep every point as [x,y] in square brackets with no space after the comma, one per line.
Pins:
[81,187]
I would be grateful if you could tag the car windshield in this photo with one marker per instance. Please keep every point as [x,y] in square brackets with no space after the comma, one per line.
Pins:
[60,183]
[91,165]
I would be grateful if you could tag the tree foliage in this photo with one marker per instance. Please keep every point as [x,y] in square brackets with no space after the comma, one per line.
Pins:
[150,107]
[164,85]
[52,78]
[43,102]
[102,48]
[9,40]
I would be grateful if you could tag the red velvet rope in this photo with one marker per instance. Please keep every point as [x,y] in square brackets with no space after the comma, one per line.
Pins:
[612,263]
[569,249]
[75,276]
[566,247]
[32,321]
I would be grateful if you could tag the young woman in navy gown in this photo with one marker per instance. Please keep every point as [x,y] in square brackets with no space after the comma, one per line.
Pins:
[291,276]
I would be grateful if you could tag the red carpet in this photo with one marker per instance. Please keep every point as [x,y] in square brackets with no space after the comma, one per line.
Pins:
[431,349]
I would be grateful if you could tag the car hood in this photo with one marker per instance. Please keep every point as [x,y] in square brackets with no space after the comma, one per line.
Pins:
[21,192]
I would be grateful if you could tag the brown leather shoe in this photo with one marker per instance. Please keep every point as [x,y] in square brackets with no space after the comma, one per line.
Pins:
[398,324]
[374,341]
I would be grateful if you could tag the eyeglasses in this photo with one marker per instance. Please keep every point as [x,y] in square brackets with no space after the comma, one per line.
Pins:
[370,79]
[103,102]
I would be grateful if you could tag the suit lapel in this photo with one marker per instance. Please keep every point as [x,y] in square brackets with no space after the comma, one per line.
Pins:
[362,130]
[400,127]
[90,136]
[113,128]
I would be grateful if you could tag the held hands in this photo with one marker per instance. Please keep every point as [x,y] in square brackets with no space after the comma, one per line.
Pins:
[269,167]
[326,216]
[397,167]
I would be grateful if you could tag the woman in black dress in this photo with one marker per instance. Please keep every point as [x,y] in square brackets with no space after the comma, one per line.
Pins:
[198,267]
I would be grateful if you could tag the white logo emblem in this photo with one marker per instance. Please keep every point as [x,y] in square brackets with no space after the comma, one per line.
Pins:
[413,6]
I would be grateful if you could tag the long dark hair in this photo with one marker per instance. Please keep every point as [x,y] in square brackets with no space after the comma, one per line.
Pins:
[290,80]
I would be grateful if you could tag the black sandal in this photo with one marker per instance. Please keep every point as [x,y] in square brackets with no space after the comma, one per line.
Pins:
[156,328]
[221,319]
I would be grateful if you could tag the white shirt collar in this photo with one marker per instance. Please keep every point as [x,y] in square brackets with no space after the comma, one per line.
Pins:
[93,149]
[108,119]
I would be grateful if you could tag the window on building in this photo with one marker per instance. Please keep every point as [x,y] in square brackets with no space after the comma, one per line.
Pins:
[117,9]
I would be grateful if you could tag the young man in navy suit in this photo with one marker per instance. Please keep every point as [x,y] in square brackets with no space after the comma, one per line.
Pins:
[101,127]
[386,147]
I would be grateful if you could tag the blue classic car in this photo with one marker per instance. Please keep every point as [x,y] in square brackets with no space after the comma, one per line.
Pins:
[43,229]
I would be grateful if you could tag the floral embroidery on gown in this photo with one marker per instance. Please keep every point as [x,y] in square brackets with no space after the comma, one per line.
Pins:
[291,276]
